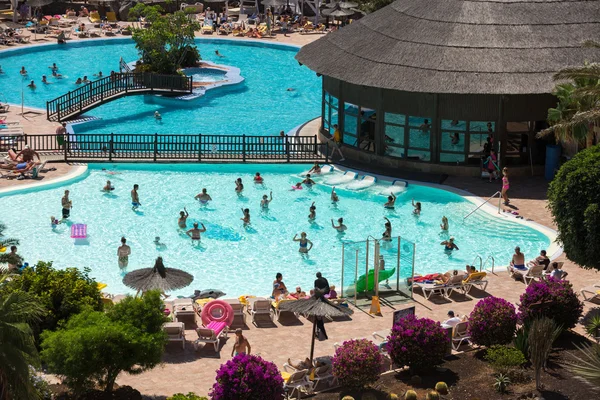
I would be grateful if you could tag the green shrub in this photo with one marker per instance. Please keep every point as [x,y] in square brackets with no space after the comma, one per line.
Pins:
[93,347]
[441,388]
[504,358]
[189,396]
[62,293]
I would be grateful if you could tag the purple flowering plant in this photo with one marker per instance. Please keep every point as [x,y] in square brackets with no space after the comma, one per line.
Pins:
[563,305]
[492,321]
[357,363]
[247,377]
[419,343]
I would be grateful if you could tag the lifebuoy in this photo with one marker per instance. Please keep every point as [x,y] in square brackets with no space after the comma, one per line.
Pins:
[218,311]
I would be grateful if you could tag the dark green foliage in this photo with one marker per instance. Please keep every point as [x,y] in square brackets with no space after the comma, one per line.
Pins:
[503,358]
[62,293]
[574,201]
[93,347]
[521,340]
[189,396]
[6,258]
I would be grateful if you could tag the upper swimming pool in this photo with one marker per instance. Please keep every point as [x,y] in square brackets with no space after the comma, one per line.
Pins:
[260,105]
[242,260]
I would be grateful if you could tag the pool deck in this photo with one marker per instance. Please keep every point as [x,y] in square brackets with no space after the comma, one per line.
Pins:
[189,370]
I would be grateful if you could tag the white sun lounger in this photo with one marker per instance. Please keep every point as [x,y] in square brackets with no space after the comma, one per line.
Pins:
[259,306]
[594,290]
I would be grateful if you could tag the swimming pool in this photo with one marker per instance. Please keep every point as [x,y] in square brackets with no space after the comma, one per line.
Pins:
[260,105]
[238,260]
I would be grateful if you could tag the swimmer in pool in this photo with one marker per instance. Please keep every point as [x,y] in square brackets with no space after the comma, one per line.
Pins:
[334,196]
[183,215]
[341,227]
[53,67]
[195,232]
[31,85]
[239,186]
[108,187]
[219,54]
[98,75]
[157,116]
[264,203]
[23,71]
[246,217]
[307,181]
[203,197]
[316,169]
[135,198]
[157,242]
[304,242]
[45,80]
[54,222]
[78,81]
[85,79]
[123,253]
[391,201]
[444,224]
[313,212]
[258,178]
[449,245]
[387,235]
[417,206]
[297,186]
[56,75]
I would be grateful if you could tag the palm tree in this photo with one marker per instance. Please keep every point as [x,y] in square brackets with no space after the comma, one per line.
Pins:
[6,258]
[586,365]
[578,111]
[17,348]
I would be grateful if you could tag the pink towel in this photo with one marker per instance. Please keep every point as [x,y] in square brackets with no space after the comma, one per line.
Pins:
[216,326]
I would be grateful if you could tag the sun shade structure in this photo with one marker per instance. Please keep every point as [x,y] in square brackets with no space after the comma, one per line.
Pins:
[316,307]
[151,279]
[274,3]
[436,72]
[342,4]
[337,11]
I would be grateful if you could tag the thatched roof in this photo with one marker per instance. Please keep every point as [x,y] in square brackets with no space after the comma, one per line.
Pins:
[459,46]
[145,279]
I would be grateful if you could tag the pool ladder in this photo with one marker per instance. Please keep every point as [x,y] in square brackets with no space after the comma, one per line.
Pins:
[482,264]
[481,205]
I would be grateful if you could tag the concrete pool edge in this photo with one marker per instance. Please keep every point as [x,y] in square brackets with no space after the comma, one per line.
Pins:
[77,173]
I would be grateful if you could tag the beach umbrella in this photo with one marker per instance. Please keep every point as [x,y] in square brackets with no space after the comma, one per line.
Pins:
[342,4]
[337,12]
[274,3]
[157,278]
[317,307]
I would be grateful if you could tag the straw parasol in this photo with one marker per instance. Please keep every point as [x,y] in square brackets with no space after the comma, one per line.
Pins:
[316,307]
[342,4]
[157,278]
[337,11]
[274,3]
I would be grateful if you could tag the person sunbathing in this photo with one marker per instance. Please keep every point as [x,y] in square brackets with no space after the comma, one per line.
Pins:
[21,167]
[13,157]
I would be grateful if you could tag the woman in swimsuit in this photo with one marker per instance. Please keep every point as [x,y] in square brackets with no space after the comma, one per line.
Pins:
[315,169]
[449,245]
[387,235]
[123,253]
[307,181]
[505,185]
[246,217]
[444,224]
[341,227]
[417,206]
[334,196]
[239,186]
[195,232]
[258,178]
[183,215]
[203,197]
[304,242]
[264,203]
[313,212]
[391,201]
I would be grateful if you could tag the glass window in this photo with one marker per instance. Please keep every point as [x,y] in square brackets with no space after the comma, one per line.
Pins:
[453,141]
[330,116]
[367,129]
[350,124]
[419,138]
[482,126]
[418,122]
[477,142]
[326,116]
[397,119]
[454,125]
[334,102]
[452,158]
[394,135]
[394,151]
[419,155]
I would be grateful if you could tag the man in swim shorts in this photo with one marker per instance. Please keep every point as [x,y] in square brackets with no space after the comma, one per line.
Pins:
[135,198]
[123,253]
[66,205]
[195,232]
[241,345]
[203,197]
[518,260]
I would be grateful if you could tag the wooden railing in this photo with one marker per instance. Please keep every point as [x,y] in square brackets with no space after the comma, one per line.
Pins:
[114,86]
[176,148]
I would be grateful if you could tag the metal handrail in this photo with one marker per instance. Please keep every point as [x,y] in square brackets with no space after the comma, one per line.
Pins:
[480,261]
[490,257]
[481,205]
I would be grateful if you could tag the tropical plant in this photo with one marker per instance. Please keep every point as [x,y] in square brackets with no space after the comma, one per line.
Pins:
[247,377]
[93,347]
[574,201]
[5,244]
[586,365]
[189,396]
[543,332]
[551,298]
[357,363]
[520,340]
[501,383]
[592,326]
[62,293]
[492,321]
[17,348]
[419,343]
[503,358]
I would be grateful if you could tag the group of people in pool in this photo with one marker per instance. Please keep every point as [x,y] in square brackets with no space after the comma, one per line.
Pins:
[57,75]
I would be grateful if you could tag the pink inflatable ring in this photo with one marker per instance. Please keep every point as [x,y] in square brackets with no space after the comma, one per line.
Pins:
[217,311]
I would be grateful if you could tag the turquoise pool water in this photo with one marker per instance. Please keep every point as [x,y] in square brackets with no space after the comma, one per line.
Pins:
[261,105]
[242,260]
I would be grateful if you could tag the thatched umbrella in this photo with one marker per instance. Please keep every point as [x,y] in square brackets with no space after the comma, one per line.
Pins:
[157,278]
[316,307]
[274,3]
[342,4]
[337,11]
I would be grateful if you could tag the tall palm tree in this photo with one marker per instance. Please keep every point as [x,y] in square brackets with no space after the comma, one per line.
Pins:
[577,114]
[6,258]
[17,348]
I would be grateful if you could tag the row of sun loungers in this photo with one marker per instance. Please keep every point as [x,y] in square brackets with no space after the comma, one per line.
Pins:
[455,283]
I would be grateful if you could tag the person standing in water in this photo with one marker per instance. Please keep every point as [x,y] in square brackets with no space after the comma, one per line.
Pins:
[123,253]
[334,196]
[449,245]
[183,215]
[258,178]
[313,212]
[387,235]
[239,186]
[203,197]
[66,205]
[304,242]
[108,187]
[307,181]
[391,201]
[195,232]
[135,198]
[417,206]
[444,224]
[264,203]
[341,227]
[246,217]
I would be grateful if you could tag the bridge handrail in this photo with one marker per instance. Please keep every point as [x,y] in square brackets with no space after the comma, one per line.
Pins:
[114,84]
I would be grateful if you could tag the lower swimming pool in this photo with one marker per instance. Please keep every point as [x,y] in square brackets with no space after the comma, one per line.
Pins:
[241,260]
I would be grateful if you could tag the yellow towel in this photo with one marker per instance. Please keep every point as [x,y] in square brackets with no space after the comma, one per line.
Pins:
[285,375]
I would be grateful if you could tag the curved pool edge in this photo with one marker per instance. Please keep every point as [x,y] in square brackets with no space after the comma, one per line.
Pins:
[77,173]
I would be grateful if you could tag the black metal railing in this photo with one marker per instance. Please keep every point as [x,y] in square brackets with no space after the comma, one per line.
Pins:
[111,87]
[176,148]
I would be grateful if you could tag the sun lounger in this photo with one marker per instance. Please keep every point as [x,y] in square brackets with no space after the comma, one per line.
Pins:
[529,274]
[175,332]
[182,308]
[212,333]
[95,17]
[298,382]
[444,290]
[238,308]
[259,306]
[323,374]
[460,334]
[111,17]
[593,290]
[277,310]
[207,27]
[474,279]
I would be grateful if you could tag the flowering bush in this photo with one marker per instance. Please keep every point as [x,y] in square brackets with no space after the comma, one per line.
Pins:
[357,363]
[247,377]
[563,305]
[417,343]
[492,321]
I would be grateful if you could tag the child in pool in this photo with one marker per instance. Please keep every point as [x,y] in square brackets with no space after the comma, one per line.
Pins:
[54,222]
[258,178]
[297,186]
[108,187]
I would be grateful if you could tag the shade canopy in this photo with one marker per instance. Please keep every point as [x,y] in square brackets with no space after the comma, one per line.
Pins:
[274,3]
[337,12]
[342,4]
[150,279]
[460,46]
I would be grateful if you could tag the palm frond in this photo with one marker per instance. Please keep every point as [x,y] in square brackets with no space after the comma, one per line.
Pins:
[591,43]
[7,242]
[586,365]
[587,71]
